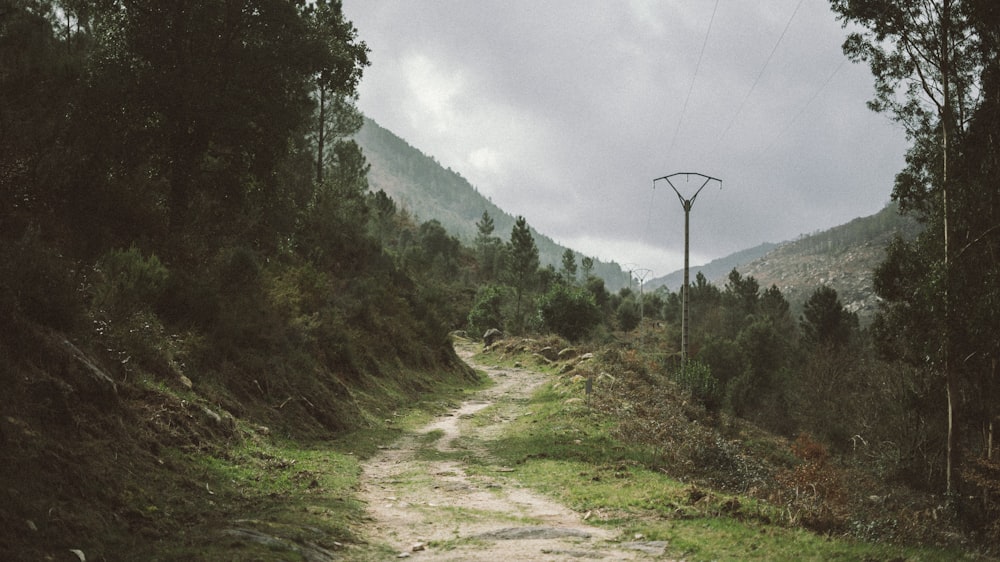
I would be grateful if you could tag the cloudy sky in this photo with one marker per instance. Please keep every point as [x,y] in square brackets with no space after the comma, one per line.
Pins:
[565,111]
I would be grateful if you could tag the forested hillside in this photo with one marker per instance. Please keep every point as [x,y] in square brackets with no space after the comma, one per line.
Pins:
[843,258]
[219,290]
[188,261]
[715,269]
[427,190]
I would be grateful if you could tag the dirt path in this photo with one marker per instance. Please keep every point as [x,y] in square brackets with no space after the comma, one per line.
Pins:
[427,506]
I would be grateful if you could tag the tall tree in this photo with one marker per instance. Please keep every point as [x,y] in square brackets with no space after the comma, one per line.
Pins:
[488,248]
[825,321]
[924,57]
[523,264]
[568,270]
[217,90]
[336,84]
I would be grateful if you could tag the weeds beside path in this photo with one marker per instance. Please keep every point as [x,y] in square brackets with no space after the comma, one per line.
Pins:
[424,501]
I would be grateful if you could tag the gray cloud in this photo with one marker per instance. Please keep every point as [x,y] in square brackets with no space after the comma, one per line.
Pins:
[565,111]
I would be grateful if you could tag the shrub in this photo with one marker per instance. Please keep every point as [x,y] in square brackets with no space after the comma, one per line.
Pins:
[486,312]
[128,282]
[696,378]
[628,315]
[569,311]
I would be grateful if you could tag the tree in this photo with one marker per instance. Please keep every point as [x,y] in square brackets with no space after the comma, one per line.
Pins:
[774,305]
[741,299]
[628,314]
[587,267]
[926,60]
[336,84]
[569,311]
[522,265]
[742,292]
[486,311]
[825,321]
[214,94]
[489,248]
[568,271]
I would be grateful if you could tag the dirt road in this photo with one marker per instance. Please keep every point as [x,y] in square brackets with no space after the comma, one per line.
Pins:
[426,505]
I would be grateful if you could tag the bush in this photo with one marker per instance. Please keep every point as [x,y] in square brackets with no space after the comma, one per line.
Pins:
[127,282]
[485,312]
[569,311]
[696,378]
[628,315]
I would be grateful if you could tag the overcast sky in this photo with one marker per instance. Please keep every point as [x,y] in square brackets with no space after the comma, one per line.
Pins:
[566,111]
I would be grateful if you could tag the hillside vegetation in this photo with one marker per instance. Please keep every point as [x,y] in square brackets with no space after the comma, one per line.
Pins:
[843,258]
[427,190]
[211,314]
[189,269]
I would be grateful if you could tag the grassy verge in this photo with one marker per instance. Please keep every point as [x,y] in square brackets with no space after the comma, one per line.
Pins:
[562,447]
[264,496]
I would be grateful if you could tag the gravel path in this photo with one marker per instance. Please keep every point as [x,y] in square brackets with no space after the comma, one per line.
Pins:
[426,505]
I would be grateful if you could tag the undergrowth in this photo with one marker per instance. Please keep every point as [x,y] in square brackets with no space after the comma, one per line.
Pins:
[640,456]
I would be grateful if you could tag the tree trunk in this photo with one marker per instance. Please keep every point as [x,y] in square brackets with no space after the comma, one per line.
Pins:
[949,375]
[321,134]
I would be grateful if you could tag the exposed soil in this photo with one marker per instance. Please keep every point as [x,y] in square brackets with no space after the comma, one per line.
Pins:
[437,510]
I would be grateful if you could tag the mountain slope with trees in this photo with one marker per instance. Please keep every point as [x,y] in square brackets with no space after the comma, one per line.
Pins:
[188,264]
[211,313]
[427,190]
[715,269]
[842,258]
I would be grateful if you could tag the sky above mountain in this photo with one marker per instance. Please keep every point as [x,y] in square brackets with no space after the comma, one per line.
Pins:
[565,111]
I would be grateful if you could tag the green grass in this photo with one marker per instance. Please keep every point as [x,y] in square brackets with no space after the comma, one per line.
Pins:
[297,492]
[565,450]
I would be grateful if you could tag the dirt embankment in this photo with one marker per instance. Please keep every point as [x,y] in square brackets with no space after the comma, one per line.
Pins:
[425,503]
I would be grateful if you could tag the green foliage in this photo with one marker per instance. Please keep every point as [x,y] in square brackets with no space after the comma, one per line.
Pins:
[569,311]
[825,321]
[723,357]
[486,311]
[741,293]
[696,378]
[627,314]
[568,269]
[522,266]
[128,282]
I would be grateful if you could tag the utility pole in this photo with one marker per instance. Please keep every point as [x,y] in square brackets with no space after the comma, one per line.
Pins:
[685,289]
[641,274]
[629,268]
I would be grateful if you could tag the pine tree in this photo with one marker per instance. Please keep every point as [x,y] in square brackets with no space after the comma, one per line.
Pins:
[523,265]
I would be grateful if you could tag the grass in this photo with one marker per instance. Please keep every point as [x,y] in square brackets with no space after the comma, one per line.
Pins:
[565,450]
[263,496]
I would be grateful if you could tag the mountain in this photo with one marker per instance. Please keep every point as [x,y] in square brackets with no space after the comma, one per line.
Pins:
[715,269]
[843,257]
[421,185]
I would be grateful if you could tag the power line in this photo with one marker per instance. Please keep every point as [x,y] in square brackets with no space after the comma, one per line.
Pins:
[759,75]
[680,120]
[806,105]
[697,68]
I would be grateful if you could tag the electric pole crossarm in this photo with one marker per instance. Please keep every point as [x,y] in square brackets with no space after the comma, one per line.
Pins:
[687,203]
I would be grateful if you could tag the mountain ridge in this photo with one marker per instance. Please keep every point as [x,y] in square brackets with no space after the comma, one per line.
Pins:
[428,190]
[842,257]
